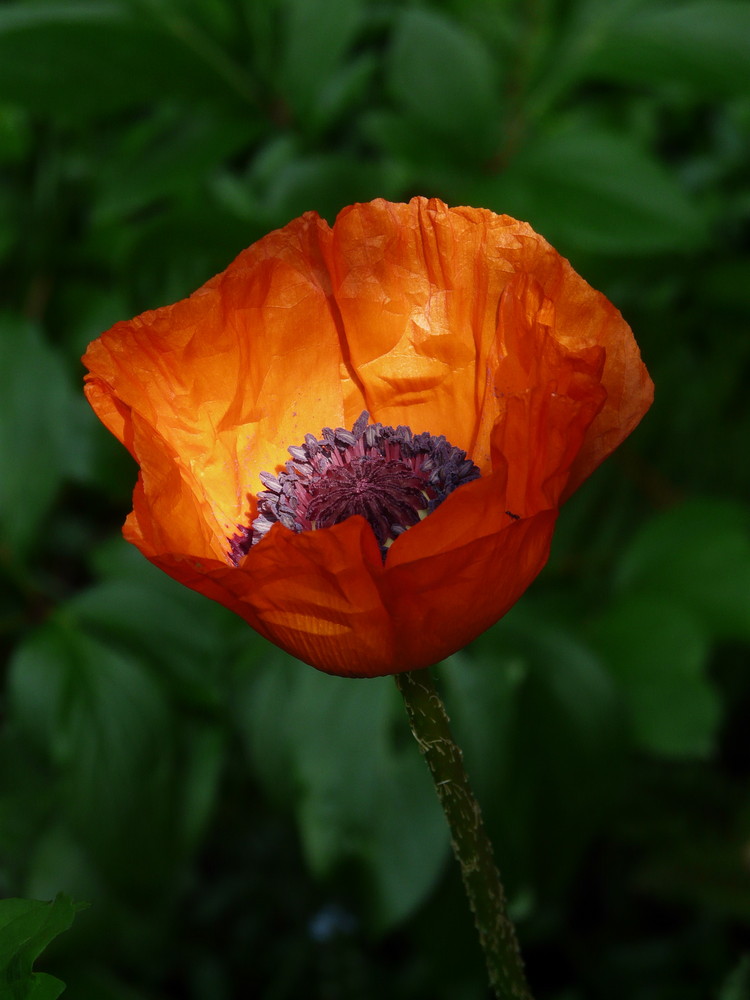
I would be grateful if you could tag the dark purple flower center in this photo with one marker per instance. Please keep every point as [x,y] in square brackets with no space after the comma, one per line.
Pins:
[385,492]
[388,475]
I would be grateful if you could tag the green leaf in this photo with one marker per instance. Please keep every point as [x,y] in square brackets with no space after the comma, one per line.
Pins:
[311,738]
[698,554]
[54,860]
[326,746]
[737,985]
[318,34]
[702,45]
[406,848]
[324,183]
[26,928]
[37,414]
[563,61]
[338,733]
[593,190]
[158,620]
[167,159]
[542,727]
[443,78]
[27,798]
[205,749]
[416,158]
[15,134]
[658,653]
[93,57]
[102,721]
[345,87]
[265,688]
[481,692]
[8,231]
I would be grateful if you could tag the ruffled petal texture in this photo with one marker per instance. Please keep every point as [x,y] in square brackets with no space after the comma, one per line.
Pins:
[458,322]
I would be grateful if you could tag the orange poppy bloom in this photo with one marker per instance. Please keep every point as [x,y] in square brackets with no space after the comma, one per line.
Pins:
[494,381]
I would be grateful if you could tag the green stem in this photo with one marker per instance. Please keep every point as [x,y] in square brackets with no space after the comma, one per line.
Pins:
[471,845]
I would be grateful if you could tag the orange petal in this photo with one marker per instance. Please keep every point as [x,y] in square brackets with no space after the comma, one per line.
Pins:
[315,594]
[214,388]
[546,398]
[418,287]
[326,598]
[454,321]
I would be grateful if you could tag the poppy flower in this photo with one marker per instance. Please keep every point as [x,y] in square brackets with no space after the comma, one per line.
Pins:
[358,437]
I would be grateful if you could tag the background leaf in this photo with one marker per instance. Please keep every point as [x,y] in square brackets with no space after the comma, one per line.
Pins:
[658,654]
[597,191]
[698,554]
[698,44]
[317,36]
[51,54]
[329,747]
[26,927]
[461,104]
[37,446]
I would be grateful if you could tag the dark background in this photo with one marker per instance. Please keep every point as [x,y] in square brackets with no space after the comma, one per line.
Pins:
[242,825]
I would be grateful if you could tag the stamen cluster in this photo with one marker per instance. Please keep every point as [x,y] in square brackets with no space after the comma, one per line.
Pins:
[390,476]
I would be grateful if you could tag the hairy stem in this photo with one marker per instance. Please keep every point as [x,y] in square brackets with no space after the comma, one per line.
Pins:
[471,845]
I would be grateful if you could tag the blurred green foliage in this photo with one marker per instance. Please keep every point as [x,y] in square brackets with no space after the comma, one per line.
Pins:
[26,927]
[245,826]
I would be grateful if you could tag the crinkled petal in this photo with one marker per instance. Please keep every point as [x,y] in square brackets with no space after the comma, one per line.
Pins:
[219,385]
[452,321]
[546,397]
[418,287]
[326,598]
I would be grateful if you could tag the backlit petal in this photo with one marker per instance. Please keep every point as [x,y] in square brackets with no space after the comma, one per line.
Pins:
[457,322]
